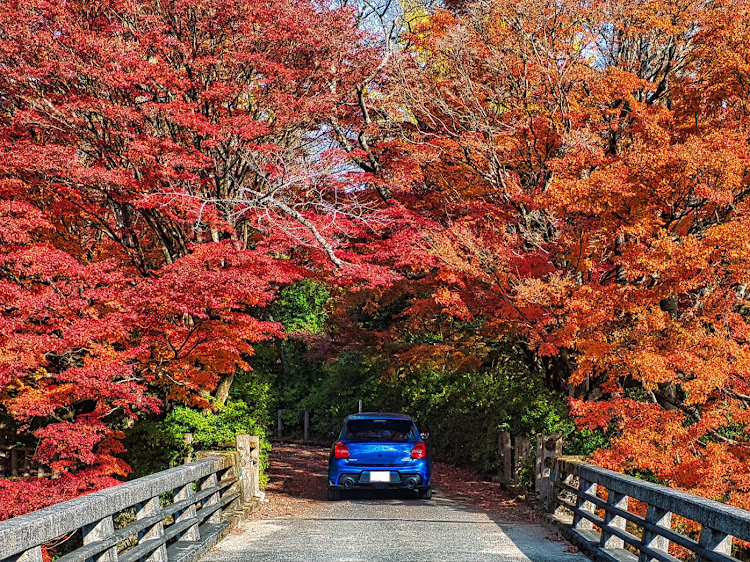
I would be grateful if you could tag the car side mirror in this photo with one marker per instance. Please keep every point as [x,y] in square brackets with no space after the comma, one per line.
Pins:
[424,436]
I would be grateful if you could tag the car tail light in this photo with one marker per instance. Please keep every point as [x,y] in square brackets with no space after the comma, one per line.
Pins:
[341,451]
[419,451]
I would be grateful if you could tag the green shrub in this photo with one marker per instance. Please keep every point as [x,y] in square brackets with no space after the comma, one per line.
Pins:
[159,443]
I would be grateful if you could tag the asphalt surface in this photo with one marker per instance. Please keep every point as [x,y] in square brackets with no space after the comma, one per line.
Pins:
[388,527]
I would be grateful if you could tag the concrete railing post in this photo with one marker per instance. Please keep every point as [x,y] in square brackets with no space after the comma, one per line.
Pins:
[660,518]
[255,454]
[246,446]
[551,488]
[99,531]
[209,482]
[583,505]
[522,451]
[617,501]
[547,448]
[715,541]
[192,533]
[505,451]
[144,510]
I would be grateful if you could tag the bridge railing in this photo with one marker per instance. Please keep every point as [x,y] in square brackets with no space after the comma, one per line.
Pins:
[595,508]
[171,516]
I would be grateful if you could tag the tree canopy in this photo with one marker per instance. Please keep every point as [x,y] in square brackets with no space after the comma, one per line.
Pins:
[568,180]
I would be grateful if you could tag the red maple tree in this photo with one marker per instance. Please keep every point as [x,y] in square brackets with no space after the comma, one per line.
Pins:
[166,166]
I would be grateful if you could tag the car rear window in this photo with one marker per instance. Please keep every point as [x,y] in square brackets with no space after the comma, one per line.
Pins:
[380,430]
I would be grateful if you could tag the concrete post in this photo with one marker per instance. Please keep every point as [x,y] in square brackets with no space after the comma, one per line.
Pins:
[144,510]
[306,435]
[584,505]
[279,425]
[522,451]
[660,518]
[209,482]
[247,484]
[192,533]
[619,501]
[99,531]
[715,541]
[547,448]
[255,456]
[505,452]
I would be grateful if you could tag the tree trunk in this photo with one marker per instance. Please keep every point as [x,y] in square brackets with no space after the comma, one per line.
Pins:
[222,390]
[282,356]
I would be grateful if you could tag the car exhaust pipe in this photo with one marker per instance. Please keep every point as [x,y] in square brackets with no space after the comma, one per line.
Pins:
[348,482]
[411,483]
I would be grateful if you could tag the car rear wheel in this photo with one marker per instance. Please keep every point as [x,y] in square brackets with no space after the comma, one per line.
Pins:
[425,494]
[334,494]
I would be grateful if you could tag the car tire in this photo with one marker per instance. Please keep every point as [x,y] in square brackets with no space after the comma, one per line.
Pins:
[425,494]
[334,494]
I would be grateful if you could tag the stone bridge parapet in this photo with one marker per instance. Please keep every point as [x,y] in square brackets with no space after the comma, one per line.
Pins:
[614,517]
[171,516]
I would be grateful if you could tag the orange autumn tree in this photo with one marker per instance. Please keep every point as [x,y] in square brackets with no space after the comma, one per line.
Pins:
[588,169]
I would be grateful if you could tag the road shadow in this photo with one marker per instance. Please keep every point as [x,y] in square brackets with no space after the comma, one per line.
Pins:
[298,471]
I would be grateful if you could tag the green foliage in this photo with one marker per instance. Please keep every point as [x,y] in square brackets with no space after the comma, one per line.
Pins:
[647,475]
[152,447]
[585,441]
[211,428]
[465,412]
[301,307]
[340,386]
[157,444]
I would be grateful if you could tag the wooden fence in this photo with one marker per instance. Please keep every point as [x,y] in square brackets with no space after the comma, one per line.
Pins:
[172,516]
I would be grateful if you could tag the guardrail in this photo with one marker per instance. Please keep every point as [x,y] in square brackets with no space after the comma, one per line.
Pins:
[593,508]
[172,516]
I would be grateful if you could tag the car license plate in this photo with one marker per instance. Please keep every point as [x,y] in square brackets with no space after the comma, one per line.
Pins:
[379,476]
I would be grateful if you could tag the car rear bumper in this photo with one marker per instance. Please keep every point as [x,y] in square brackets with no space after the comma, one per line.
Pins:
[407,482]
[359,477]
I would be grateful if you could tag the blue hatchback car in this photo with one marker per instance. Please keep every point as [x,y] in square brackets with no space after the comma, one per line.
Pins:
[379,451]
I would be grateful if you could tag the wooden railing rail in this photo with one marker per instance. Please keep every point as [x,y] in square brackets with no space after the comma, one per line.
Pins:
[172,516]
[593,505]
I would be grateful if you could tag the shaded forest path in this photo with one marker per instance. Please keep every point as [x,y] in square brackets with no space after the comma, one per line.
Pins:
[467,519]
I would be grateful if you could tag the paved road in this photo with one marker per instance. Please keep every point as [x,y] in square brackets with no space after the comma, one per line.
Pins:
[380,528]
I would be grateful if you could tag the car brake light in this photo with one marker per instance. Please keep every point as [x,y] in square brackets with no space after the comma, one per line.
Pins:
[341,451]
[419,451]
